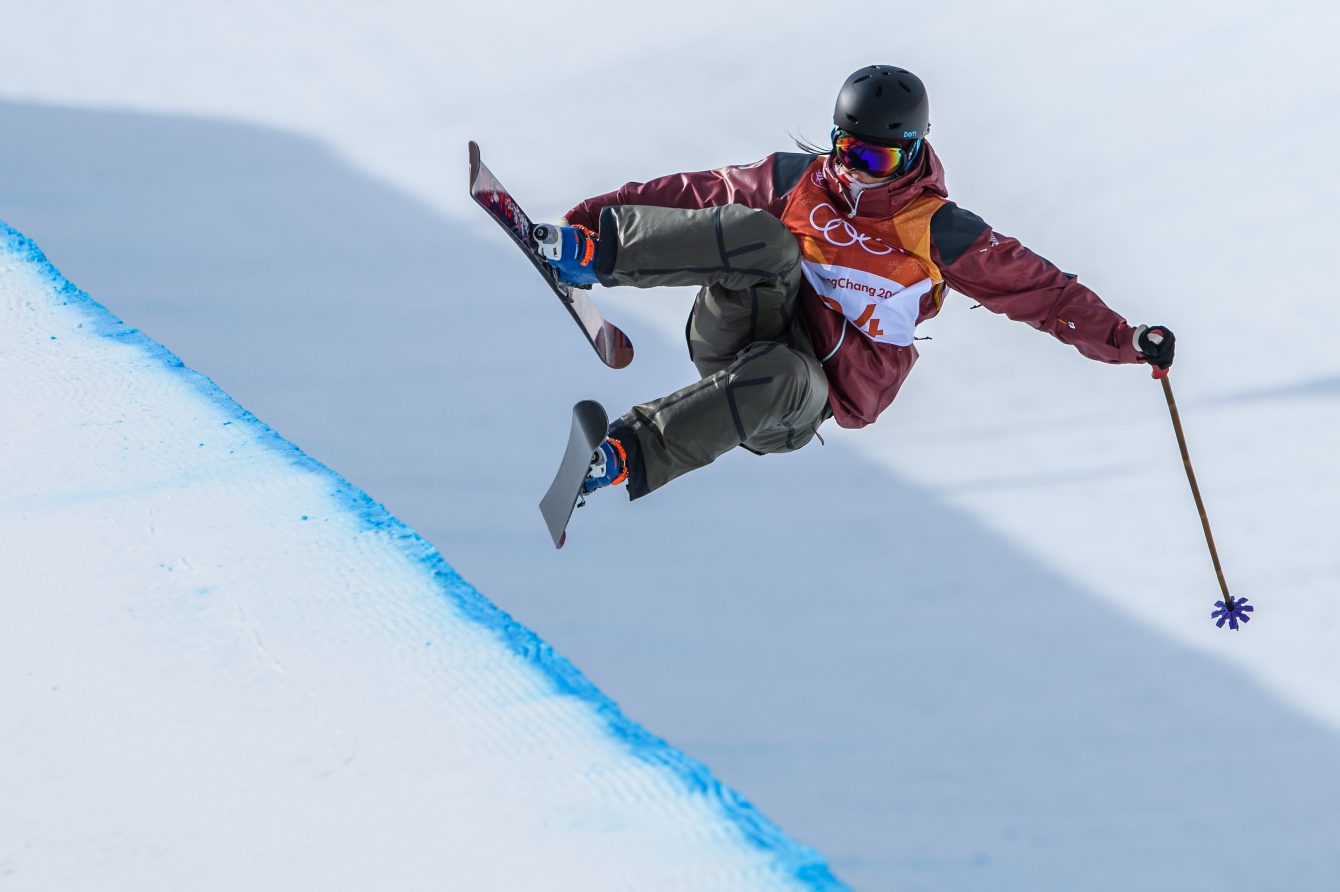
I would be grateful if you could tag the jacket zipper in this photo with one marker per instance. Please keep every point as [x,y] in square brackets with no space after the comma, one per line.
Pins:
[842,337]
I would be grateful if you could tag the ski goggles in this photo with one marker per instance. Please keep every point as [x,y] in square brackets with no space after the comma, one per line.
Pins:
[876,160]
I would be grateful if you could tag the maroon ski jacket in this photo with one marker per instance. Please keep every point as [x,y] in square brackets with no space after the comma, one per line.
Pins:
[993,269]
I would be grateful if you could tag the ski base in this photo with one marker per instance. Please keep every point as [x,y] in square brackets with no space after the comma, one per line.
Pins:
[589,423]
[609,342]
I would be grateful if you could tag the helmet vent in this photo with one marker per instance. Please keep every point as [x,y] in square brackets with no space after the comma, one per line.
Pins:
[851,117]
[906,88]
[879,91]
[896,125]
[864,77]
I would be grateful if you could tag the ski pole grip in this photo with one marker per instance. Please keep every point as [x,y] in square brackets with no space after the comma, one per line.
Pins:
[1155,337]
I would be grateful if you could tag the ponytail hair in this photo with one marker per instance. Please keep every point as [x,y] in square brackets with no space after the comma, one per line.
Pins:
[812,148]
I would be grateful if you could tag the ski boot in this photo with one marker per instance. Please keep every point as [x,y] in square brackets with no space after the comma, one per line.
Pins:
[609,467]
[570,251]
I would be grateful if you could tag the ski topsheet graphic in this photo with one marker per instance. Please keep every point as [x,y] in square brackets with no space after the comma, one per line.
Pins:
[588,429]
[611,344]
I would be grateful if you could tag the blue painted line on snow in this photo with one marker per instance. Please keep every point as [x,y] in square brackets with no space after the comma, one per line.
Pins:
[800,861]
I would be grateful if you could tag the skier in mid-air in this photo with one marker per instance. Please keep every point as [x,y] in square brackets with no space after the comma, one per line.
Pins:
[815,269]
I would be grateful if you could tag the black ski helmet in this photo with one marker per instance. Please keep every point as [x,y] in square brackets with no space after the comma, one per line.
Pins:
[883,103]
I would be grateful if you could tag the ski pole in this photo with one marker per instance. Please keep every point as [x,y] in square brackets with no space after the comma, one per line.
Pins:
[1229,610]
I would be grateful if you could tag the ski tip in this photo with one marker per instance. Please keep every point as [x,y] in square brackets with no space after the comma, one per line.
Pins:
[620,357]
[474,160]
[562,540]
[613,347]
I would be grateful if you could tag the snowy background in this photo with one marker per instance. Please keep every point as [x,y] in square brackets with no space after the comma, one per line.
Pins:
[966,648]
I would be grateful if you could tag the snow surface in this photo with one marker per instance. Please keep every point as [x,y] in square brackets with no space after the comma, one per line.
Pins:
[1016,684]
[231,669]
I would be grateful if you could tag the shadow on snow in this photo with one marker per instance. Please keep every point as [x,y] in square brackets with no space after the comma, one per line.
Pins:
[884,677]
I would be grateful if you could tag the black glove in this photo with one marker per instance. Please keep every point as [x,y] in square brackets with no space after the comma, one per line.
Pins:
[1155,345]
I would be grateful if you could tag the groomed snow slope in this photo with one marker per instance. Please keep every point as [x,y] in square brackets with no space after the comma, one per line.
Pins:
[226,667]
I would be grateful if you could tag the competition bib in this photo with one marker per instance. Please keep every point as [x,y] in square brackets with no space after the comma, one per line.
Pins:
[859,268]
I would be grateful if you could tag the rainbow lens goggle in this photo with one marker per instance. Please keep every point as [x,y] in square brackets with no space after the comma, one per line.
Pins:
[876,160]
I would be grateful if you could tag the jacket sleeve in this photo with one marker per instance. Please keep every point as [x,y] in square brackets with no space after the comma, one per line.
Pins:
[763,184]
[1006,277]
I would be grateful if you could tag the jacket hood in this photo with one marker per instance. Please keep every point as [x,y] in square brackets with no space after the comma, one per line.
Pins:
[883,200]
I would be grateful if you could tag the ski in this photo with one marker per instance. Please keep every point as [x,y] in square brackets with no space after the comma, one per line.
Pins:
[610,343]
[589,422]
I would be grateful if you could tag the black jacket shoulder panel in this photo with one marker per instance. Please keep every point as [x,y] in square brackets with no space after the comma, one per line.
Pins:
[953,230]
[787,169]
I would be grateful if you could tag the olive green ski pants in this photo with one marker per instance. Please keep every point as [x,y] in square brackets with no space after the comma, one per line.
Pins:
[761,386]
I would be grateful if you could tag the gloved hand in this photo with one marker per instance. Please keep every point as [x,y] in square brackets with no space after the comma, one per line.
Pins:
[1155,345]
[570,250]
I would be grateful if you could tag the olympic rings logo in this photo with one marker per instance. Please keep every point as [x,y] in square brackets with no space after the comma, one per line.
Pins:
[844,229]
